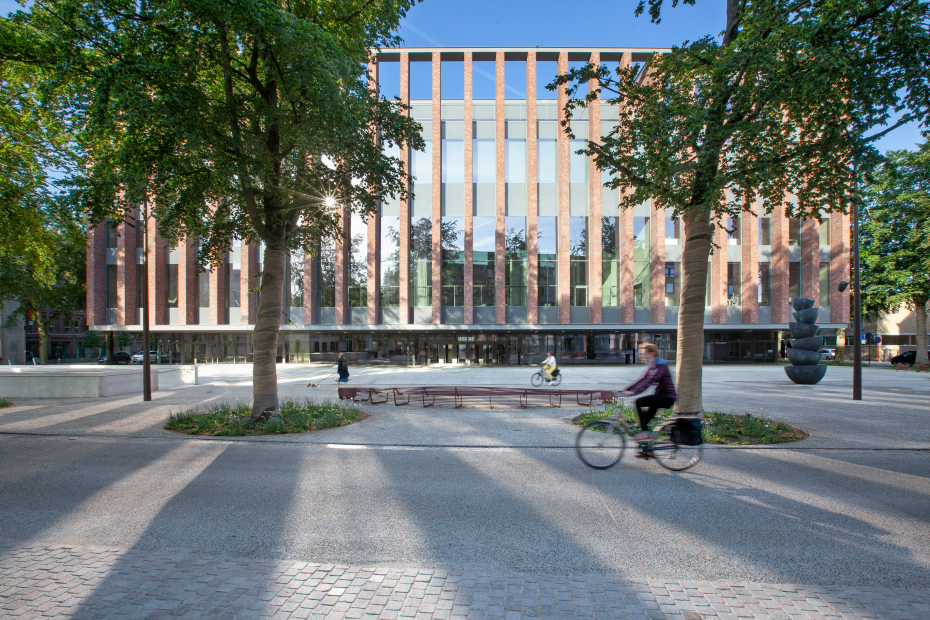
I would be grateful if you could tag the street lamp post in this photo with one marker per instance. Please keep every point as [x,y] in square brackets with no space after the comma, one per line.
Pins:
[146,364]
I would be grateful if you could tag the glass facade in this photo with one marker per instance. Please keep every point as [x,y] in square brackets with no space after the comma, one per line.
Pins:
[483,247]
[547,247]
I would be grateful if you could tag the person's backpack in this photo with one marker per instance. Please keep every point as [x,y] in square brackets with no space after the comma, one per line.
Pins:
[687,432]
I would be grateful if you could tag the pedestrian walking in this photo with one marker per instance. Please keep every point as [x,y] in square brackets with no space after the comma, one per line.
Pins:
[342,369]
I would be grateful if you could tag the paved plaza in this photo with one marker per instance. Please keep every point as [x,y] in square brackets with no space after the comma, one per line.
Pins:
[470,513]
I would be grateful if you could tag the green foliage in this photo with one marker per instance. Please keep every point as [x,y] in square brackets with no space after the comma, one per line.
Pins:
[894,233]
[5,403]
[93,339]
[123,339]
[234,420]
[720,428]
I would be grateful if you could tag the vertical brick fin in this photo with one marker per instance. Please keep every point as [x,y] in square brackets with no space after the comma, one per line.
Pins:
[374,278]
[373,291]
[718,278]
[156,273]
[126,274]
[97,275]
[218,294]
[625,233]
[810,260]
[187,281]
[626,266]
[595,301]
[565,311]
[532,195]
[469,195]
[749,271]
[657,263]
[310,284]
[342,254]
[436,201]
[500,197]
[779,265]
[839,267]
[403,304]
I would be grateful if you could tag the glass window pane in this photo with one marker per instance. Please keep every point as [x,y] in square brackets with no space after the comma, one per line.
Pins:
[825,232]
[203,290]
[672,284]
[547,236]
[765,284]
[390,261]
[515,237]
[610,248]
[421,166]
[577,162]
[794,231]
[578,237]
[233,287]
[733,284]
[484,162]
[515,161]
[171,285]
[642,242]
[733,231]
[765,231]
[326,287]
[641,283]
[111,285]
[794,280]
[824,284]
[610,286]
[672,230]
[453,161]
[546,161]
[484,234]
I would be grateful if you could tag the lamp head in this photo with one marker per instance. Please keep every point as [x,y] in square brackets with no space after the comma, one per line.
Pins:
[842,286]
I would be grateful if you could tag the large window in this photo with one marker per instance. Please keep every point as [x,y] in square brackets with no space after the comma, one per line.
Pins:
[824,284]
[546,161]
[825,232]
[794,231]
[453,161]
[733,284]
[203,289]
[515,161]
[358,262]
[765,284]
[610,261]
[672,284]
[484,161]
[642,247]
[577,162]
[515,255]
[171,284]
[547,248]
[111,285]
[390,261]
[452,239]
[421,264]
[326,284]
[794,280]
[295,278]
[733,232]
[765,231]
[421,165]
[672,231]
[483,247]
[232,275]
[578,248]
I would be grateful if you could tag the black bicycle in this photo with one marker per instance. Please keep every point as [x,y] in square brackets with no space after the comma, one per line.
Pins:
[676,442]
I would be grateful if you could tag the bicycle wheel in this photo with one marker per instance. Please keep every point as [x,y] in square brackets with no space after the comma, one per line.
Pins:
[672,455]
[600,444]
[536,379]
[557,379]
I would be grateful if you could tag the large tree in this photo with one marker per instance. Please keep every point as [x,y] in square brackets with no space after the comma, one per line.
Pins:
[250,120]
[767,116]
[894,235]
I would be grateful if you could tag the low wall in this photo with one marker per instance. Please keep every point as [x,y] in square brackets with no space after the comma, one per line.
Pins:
[88,381]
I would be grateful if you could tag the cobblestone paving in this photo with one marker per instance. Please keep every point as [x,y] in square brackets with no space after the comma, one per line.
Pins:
[96,583]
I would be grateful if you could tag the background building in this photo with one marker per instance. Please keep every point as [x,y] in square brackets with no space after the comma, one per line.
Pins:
[510,247]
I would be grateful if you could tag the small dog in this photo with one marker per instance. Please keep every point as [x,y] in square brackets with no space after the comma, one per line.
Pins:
[313,385]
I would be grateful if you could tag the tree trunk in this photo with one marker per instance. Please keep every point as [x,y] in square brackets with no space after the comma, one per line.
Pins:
[698,233]
[920,314]
[265,335]
[43,336]
[840,355]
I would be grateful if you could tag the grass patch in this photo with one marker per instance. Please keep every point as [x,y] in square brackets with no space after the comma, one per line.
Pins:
[225,420]
[719,428]
[5,403]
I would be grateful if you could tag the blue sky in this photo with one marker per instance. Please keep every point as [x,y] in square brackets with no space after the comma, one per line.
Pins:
[548,23]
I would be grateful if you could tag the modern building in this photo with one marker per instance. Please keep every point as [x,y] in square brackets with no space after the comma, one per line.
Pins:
[510,247]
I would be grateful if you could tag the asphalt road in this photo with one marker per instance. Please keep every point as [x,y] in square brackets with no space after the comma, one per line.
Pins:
[811,516]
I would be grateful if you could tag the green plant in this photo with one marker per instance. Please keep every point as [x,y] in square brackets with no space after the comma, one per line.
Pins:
[4,403]
[234,420]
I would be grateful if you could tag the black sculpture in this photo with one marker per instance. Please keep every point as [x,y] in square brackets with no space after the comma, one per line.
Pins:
[804,353]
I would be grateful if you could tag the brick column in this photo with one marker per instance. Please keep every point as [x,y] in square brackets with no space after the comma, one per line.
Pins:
[310,283]
[625,226]
[749,271]
[373,291]
[436,201]
[342,261]
[810,260]
[500,289]
[657,263]
[594,209]
[126,274]
[779,266]
[156,274]
[564,250]
[718,278]
[840,245]
[403,304]
[532,195]
[187,281]
[97,275]
[218,294]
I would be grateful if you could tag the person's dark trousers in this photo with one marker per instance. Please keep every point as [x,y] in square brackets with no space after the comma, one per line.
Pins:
[647,406]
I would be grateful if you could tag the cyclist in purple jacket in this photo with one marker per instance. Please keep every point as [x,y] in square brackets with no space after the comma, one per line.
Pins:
[657,374]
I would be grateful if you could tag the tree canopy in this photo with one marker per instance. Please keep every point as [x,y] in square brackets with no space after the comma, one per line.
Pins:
[768,116]
[894,234]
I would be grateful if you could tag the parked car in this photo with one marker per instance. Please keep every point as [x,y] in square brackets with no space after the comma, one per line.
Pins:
[828,354]
[30,356]
[137,358]
[908,357]
[120,357]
